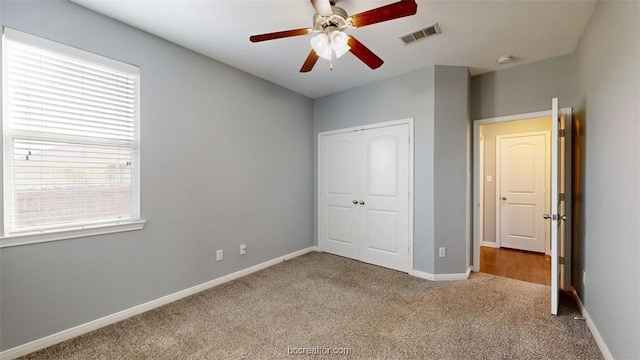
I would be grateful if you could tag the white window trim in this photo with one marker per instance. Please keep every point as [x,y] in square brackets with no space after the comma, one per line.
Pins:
[77,230]
[80,54]
[69,233]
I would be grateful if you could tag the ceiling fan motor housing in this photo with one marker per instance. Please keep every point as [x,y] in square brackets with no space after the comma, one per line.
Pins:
[337,21]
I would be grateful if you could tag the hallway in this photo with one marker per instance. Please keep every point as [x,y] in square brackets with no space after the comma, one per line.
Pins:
[516,264]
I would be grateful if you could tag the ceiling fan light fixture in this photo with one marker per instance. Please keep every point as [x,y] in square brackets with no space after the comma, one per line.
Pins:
[339,42]
[321,45]
[338,38]
[341,50]
[336,41]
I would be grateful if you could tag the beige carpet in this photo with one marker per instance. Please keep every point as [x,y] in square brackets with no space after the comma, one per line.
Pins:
[322,302]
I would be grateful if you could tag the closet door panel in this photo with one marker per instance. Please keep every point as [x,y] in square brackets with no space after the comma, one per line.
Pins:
[385,186]
[337,217]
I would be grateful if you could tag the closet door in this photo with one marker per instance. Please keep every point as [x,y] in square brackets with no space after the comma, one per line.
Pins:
[337,199]
[363,195]
[384,189]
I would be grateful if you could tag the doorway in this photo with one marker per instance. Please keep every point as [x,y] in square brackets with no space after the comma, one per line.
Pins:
[516,173]
[491,252]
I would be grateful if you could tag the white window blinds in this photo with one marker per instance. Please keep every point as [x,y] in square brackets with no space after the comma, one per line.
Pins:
[71,137]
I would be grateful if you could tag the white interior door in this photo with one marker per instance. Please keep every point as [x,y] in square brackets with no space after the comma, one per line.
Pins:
[522,162]
[385,196]
[363,195]
[557,216]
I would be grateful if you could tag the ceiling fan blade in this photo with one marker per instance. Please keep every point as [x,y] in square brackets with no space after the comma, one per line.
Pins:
[279,34]
[384,13]
[322,7]
[363,53]
[310,62]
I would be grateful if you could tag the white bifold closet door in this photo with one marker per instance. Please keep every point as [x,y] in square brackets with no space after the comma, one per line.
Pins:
[364,195]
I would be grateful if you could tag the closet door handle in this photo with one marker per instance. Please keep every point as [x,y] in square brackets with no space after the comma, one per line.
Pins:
[361,202]
[355,202]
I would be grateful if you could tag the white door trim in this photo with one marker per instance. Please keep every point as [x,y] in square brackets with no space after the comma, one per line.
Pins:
[481,190]
[547,180]
[370,126]
[408,121]
[476,180]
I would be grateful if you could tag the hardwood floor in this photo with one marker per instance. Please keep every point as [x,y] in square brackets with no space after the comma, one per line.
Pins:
[516,264]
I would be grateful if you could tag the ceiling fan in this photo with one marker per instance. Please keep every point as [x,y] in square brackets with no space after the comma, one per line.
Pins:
[329,23]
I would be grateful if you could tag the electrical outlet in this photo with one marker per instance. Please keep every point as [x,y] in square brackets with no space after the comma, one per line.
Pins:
[219,255]
[584,277]
[243,249]
[442,252]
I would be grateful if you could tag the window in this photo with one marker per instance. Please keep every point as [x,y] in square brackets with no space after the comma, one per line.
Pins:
[71,142]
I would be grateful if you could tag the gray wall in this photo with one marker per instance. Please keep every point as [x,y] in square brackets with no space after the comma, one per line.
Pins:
[437,99]
[601,81]
[215,173]
[608,119]
[407,96]
[489,132]
[452,165]
[523,89]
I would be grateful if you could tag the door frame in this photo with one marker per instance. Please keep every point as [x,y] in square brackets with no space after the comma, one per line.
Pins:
[565,251]
[547,181]
[407,121]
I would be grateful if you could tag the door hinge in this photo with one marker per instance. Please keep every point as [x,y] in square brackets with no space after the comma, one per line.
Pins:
[562,197]
[561,260]
[562,133]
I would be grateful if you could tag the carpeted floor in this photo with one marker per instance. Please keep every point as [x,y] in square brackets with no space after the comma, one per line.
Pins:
[325,302]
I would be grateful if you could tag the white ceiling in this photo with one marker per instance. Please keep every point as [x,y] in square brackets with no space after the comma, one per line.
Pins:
[474,34]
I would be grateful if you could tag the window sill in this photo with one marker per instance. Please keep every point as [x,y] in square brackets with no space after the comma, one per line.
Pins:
[38,237]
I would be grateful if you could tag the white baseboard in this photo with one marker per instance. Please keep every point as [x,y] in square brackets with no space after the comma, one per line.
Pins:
[440,277]
[489,244]
[124,314]
[594,330]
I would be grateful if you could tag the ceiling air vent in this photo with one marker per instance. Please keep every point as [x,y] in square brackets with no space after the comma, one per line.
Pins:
[420,34]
